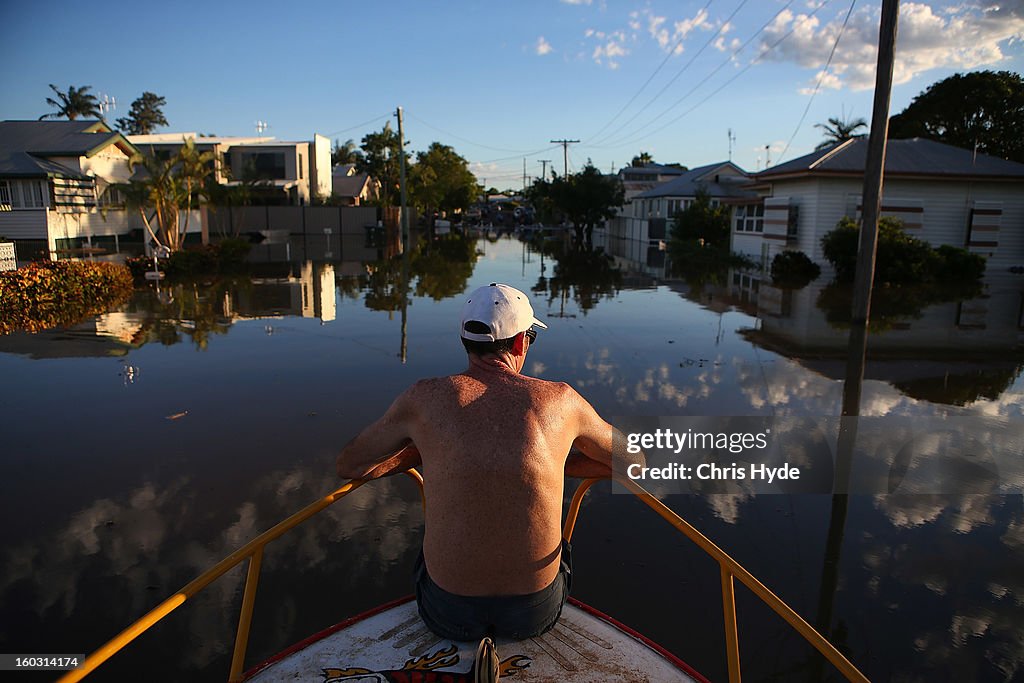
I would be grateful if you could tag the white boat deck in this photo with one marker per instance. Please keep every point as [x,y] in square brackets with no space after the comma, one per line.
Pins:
[395,646]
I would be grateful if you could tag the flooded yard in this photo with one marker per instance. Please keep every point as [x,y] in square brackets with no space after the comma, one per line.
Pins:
[145,445]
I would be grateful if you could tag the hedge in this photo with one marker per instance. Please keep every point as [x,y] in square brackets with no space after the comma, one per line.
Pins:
[47,294]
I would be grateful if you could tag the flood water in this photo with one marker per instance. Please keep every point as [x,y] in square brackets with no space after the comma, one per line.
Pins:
[142,447]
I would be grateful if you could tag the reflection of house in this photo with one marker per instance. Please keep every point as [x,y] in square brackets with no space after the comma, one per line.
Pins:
[945,349]
[54,180]
[352,187]
[638,233]
[275,171]
[311,294]
[943,194]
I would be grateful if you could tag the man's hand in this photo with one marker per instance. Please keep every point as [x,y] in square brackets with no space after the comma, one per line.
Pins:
[582,467]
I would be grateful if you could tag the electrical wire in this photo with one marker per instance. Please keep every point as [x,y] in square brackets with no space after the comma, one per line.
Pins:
[680,73]
[458,137]
[821,78]
[359,125]
[742,71]
[650,78]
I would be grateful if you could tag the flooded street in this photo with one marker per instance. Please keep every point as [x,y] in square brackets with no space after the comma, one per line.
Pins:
[144,446]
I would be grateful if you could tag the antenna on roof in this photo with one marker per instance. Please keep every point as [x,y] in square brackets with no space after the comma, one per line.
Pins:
[732,139]
[261,126]
[105,103]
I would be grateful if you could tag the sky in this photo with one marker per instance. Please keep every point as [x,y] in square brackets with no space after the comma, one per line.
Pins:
[691,81]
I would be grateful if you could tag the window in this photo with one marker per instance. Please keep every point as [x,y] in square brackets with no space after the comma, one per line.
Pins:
[300,167]
[750,218]
[264,165]
[22,194]
[33,194]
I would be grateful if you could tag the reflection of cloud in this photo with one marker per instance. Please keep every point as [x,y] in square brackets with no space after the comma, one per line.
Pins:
[160,536]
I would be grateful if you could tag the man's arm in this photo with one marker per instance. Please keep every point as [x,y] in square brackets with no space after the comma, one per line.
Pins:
[385,447]
[595,442]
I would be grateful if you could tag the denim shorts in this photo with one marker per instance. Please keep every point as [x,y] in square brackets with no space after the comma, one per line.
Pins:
[467,617]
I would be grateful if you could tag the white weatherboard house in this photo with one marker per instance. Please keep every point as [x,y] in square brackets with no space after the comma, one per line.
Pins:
[943,195]
[55,179]
[638,233]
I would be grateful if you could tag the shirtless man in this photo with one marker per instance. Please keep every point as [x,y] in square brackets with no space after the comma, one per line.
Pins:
[495,447]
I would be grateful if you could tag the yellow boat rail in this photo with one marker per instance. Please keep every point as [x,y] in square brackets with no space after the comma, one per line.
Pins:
[253,550]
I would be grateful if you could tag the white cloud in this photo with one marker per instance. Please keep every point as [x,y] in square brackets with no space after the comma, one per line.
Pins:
[967,36]
[543,46]
[609,53]
[577,2]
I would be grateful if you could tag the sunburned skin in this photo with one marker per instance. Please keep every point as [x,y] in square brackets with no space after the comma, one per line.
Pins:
[494,446]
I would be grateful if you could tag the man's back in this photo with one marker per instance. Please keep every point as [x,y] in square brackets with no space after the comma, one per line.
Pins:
[493,445]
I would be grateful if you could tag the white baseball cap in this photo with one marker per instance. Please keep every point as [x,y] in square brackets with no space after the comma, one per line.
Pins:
[503,310]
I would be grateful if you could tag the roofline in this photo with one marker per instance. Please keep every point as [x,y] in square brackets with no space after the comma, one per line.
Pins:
[832,152]
[823,173]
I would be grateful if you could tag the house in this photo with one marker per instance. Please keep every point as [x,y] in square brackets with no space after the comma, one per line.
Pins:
[638,233]
[277,172]
[55,178]
[351,187]
[943,195]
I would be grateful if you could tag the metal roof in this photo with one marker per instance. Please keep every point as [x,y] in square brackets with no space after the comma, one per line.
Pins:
[698,179]
[914,157]
[24,145]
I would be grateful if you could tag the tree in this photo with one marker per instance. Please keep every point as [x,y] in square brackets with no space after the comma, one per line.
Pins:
[585,198]
[699,242]
[380,159]
[347,153]
[441,180]
[72,104]
[642,159]
[145,116]
[984,108]
[165,188]
[840,130]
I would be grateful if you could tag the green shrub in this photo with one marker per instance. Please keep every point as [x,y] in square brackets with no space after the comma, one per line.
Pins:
[227,256]
[47,294]
[956,264]
[793,269]
[900,258]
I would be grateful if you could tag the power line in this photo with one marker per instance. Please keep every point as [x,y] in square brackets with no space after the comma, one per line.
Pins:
[742,71]
[726,61]
[650,78]
[821,78]
[458,137]
[358,125]
[680,73]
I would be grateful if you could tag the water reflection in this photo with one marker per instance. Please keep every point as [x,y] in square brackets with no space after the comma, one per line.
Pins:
[924,586]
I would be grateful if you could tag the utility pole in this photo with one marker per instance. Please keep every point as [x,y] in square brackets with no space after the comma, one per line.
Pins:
[524,174]
[404,218]
[401,175]
[544,168]
[565,153]
[857,352]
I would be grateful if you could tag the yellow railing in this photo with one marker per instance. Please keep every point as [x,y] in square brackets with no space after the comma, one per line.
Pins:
[254,551]
[730,568]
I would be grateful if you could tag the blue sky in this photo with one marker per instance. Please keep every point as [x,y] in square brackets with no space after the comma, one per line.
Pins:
[498,81]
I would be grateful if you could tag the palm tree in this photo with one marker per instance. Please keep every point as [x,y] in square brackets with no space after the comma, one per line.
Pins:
[72,104]
[838,130]
[164,189]
[347,153]
[642,159]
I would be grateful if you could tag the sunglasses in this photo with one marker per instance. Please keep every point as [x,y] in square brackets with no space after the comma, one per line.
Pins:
[531,334]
